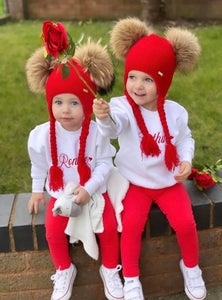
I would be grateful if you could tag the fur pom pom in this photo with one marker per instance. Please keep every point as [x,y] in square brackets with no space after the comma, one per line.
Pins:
[186,48]
[95,60]
[125,34]
[38,70]
[171,157]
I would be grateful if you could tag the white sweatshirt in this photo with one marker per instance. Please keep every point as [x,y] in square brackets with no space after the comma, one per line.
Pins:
[149,172]
[98,153]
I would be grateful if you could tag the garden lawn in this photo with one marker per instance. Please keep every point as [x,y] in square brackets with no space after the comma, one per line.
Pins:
[199,92]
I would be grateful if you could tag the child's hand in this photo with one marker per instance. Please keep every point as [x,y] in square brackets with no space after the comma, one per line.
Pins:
[83,196]
[184,172]
[100,109]
[34,202]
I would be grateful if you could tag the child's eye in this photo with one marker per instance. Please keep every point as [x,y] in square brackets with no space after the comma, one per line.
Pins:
[74,102]
[148,79]
[132,77]
[59,102]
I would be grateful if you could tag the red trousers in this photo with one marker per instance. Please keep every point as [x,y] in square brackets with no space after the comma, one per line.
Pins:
[58,242]
[174,202]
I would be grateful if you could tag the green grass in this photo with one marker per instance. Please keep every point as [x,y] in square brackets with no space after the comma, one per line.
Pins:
[2,8]
[20,110]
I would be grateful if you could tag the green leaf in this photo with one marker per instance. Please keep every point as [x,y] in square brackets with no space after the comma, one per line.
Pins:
[47,55]
[65,71]
[199,187]
[219,162]
[60,56]
[219,179]
[71,48]
[42,40]
[215,178]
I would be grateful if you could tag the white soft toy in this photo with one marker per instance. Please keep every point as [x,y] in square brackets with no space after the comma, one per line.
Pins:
[65,205]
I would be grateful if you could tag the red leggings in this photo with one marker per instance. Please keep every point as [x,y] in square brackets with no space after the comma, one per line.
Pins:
[174,202]
[58,241]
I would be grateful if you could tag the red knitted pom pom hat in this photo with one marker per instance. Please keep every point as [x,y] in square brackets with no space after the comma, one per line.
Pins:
[153,55]
[56,85]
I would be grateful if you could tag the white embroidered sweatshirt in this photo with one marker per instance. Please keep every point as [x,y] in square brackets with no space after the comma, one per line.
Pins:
[98,153]
[149,172]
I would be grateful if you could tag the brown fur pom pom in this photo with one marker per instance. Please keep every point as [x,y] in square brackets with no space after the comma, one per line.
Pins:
[38,69]
[186,48]
[95,60]
[125,34]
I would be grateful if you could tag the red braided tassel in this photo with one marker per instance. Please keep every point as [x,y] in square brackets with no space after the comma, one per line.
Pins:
[55,178]
[84,171]
[149,146]
[171,157]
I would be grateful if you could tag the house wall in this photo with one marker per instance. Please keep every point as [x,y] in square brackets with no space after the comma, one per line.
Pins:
[115,9]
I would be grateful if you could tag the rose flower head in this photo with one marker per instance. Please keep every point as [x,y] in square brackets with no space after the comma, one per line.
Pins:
[55,38]
[59,44]
[204,180]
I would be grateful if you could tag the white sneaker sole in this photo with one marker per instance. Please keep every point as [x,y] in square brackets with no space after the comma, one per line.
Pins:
[106,291]
[188,293]
[191,297]
[69,291]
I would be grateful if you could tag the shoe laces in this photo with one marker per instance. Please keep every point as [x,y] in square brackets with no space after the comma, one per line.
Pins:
[132,290]
[113,277]
[59,280]
[194,276]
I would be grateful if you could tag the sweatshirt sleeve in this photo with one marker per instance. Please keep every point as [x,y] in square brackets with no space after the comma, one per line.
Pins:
[39,164]
[107,127]
[185,144]
[104,154]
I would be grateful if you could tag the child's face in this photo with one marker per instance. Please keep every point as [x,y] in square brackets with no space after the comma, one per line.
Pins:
[68,111]
[142,89]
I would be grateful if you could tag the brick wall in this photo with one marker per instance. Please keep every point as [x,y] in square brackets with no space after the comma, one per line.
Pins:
[103,9]
[15,9]
[26,266]
[189,9]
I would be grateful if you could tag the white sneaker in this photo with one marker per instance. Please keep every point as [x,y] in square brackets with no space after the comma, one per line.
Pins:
[63,282]
[193,282]
[113,286]
[133,290]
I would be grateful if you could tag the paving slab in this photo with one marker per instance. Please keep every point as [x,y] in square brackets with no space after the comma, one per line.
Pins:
[213,293]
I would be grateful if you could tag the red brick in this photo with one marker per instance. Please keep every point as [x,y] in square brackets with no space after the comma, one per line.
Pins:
[12,262]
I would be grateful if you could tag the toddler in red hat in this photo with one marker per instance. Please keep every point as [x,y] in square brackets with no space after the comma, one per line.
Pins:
[69,148]
[155,145]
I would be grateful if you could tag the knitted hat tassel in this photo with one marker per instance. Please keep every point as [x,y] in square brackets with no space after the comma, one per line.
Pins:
[149,146]
[55,173]
[171,157]
[55,178]
[83,169]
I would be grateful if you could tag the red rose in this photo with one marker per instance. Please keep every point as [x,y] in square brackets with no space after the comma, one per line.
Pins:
[55,38]
[193,173]
[204,180]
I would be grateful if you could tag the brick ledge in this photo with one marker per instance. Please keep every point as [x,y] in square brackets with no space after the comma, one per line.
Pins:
[20,231]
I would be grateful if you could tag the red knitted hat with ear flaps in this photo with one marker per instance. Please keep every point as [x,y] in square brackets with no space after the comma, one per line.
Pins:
[153,55]
[74,85]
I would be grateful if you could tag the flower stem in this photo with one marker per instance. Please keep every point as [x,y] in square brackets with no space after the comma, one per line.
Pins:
[91,90]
